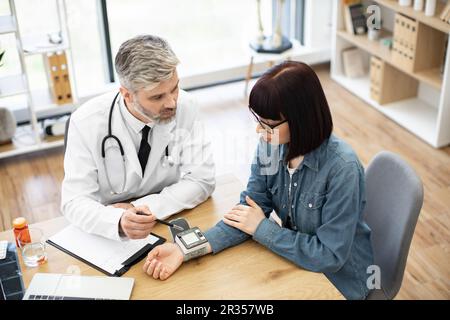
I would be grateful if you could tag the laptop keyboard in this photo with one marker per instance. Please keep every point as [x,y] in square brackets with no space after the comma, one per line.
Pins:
[38,297]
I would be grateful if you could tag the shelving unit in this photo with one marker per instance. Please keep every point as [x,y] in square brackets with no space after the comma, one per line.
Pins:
[39,104]
[428,114]
[420,16]
[431,77]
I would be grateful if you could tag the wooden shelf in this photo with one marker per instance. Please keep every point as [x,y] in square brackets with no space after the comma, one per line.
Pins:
[44,106]
[23,139]
[431,77]
[373,47]
[39,44]
[414,114]
[25,143]
[433,22]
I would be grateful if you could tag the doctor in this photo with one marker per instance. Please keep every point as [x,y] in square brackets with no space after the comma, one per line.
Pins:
[143,142]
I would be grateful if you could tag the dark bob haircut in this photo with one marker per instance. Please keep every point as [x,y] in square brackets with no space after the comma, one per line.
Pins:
[292,91]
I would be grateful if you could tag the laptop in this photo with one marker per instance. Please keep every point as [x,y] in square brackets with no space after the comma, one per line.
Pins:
[51,286]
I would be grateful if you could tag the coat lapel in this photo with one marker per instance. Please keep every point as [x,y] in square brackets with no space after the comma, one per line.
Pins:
[120,130]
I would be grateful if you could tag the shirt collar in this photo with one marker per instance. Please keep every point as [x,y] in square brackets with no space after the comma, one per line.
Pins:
[134,123]
[311,159]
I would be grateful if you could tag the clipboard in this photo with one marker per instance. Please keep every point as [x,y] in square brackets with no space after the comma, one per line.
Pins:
[125,265]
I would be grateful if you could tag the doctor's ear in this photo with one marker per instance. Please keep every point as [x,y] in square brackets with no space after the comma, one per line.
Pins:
[126,94]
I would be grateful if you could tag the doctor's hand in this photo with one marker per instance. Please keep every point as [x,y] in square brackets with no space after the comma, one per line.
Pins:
[163,261]
[245,218]
[123,205]
[137,226]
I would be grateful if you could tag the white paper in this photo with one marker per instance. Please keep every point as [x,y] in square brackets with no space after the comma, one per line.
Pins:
[105,253]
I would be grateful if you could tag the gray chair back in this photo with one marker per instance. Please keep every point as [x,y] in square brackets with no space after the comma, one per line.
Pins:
[394,200]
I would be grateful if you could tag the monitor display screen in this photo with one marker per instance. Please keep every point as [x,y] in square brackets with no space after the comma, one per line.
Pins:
[190,238]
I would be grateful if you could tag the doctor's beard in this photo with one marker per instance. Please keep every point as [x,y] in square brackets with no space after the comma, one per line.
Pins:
[165,116]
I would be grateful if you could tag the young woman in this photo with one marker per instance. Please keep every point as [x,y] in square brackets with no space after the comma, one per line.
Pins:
[309,177]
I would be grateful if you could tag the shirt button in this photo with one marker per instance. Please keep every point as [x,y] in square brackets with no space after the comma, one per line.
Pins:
[292,206]
[310,205]
[295,184]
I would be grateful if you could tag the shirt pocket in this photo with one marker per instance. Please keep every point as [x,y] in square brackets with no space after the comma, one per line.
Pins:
[310,213]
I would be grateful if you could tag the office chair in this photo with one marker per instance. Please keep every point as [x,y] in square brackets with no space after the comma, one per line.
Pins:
[66,131]
[394,200]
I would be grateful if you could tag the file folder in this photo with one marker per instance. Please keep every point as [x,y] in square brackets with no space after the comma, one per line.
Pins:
[60,80]
[65,79]
[57,85]
[113,258]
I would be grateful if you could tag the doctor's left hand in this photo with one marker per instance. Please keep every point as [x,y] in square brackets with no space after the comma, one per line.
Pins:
[122,205]
[245,218]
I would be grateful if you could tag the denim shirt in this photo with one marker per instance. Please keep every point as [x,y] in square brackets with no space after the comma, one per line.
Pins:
[327,232]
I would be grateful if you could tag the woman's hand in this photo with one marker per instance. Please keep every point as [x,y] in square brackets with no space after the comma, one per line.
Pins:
[163,260]
[245,218]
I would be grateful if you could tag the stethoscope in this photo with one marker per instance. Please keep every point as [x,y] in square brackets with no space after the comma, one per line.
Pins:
[167,161]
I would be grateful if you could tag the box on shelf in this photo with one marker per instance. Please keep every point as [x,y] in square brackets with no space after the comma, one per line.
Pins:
[353,63]
[416,46]
[388,84]
[355,19]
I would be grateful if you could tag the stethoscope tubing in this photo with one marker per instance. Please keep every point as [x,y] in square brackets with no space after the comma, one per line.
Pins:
[169,158]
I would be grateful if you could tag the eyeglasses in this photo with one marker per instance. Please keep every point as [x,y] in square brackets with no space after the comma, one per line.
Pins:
[267,127]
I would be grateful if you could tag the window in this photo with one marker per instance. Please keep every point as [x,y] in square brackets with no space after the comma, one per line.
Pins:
[83,22]
[206,35]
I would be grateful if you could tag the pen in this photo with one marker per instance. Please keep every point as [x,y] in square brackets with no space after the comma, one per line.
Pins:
[162,221]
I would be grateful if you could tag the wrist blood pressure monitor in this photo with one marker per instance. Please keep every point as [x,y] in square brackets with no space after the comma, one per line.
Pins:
[192,242]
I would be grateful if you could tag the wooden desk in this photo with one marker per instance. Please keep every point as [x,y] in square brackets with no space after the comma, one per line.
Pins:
[247,271]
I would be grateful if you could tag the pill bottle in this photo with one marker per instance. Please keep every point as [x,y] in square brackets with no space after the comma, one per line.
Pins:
[20,224]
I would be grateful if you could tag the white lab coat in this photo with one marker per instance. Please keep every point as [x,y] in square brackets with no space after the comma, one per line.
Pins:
[86,195]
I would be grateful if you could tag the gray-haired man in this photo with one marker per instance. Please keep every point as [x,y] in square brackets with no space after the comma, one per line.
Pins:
[141,142]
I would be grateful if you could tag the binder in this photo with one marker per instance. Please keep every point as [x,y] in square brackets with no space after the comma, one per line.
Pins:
[56,80]
[59,73]
[355,19]
[65,79]
[111,257]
